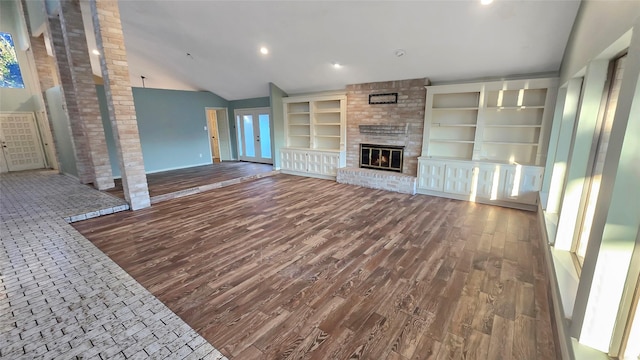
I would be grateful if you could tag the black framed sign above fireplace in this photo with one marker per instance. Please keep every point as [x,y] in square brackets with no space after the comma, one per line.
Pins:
[387,98]
[381,157]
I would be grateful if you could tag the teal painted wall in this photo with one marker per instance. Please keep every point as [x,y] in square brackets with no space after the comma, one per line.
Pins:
[172,126]
[242,104]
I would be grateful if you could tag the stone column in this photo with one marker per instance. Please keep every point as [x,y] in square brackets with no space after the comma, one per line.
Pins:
[80,146]
[47,74]
[122,111]
[85,95]
[47,80]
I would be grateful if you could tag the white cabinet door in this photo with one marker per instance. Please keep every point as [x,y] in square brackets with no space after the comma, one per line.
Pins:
[299,160]
[521,183]
[512,178]
[431,175]
[314,162]
[286,159]
[323,163]
[487,183]
[330,164]
[458,178]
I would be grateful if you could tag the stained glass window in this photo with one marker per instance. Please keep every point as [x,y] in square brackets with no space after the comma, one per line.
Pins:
[10,75]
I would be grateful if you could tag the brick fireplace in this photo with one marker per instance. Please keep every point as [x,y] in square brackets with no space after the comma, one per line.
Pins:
[381,157]
[398,124]
[392,125]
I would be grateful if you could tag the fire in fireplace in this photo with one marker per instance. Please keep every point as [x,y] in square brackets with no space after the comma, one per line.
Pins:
[381,157]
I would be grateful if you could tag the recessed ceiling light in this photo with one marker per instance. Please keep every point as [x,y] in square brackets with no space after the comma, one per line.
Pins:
[96,52]
[264,50]
[486,2]
[336,65]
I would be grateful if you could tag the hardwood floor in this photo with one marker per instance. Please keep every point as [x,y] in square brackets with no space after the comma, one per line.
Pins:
[289,267]
[175,180]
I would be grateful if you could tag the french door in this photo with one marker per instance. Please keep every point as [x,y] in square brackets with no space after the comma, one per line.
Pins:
[253,128]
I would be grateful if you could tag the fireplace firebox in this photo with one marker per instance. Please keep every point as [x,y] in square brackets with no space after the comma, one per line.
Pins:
[381,157]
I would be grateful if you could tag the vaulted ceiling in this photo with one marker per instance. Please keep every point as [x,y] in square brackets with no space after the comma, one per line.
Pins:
[444,40]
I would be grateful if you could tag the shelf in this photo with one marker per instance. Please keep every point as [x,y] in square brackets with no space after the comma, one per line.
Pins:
[453,141]
[453,125]
[327,106]
[297,107]
[532,117]
[446,158]
[516,98]
[457,101]
[445,149]
[500,161]
[455,108]
[471,129]
[314,124]
[512,126]
[509,143]
[498,108]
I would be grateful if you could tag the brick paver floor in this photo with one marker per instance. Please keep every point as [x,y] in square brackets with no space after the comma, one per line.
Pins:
[61,297]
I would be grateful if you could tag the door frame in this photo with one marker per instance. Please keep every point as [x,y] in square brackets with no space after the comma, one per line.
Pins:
[214,136]
[221,134]
[262,109]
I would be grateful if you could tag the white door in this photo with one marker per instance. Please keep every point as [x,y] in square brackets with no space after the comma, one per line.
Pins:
[21,148]
[254,135]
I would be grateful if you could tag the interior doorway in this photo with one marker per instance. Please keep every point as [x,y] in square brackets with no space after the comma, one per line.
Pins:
[219,135]
[254,135]
[212,120]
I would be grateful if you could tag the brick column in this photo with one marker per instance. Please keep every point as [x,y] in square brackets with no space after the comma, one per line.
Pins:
[122,111]
[85,95]
[43,63]
[46,72]
[47,79]
[80,146]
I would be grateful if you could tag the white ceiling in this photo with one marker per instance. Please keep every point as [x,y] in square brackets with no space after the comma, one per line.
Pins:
[444,40]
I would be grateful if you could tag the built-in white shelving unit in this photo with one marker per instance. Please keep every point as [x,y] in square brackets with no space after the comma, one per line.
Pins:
[474,130]
[315,135]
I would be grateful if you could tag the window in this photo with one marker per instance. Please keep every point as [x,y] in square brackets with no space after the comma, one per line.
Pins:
[590,196]
[10,76]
